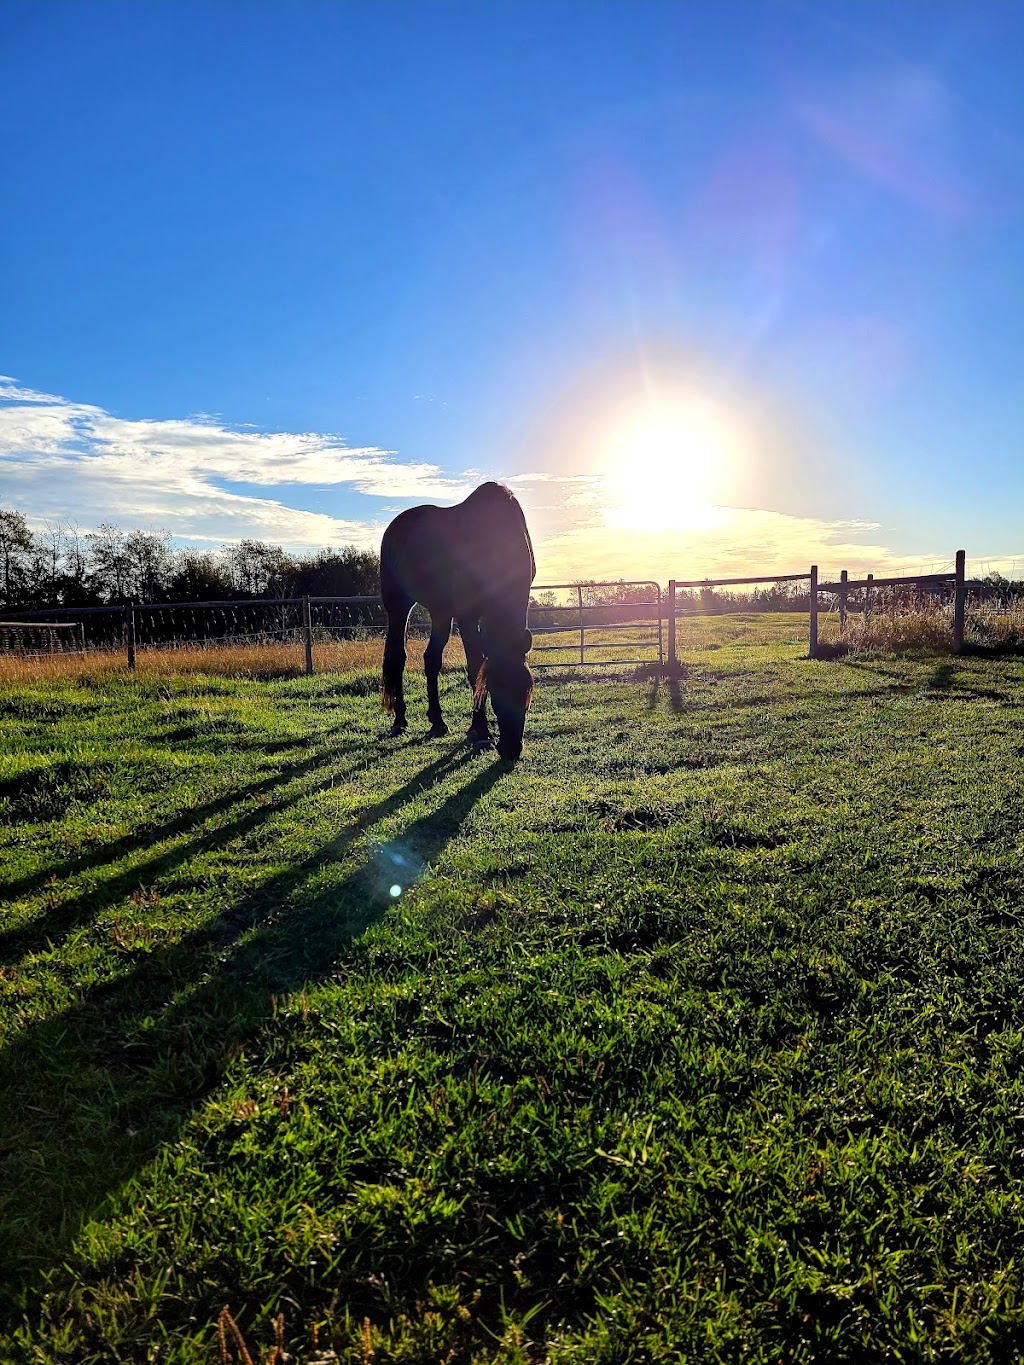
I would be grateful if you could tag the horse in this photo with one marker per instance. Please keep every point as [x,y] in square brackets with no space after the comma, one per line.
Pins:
[472,563]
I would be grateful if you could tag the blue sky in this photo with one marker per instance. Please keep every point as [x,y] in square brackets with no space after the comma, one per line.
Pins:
[282,269]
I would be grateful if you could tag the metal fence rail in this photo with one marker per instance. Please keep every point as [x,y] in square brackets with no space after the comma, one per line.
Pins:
[580,609]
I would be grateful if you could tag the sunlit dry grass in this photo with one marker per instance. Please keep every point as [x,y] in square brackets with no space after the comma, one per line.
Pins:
[997,626]
[926,627]
[231,661]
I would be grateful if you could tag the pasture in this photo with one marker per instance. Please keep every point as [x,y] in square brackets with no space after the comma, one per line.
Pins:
[696,1036]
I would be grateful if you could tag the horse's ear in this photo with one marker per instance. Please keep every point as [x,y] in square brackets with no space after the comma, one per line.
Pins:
[527,641]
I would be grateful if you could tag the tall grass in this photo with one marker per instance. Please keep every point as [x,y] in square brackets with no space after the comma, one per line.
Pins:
[924,625]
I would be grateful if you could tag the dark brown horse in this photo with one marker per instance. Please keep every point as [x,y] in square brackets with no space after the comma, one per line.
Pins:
[474,563]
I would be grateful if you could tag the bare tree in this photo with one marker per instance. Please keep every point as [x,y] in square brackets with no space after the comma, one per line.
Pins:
[258,569]
[109,562]
[76,566]
[17,546]
[48,564]
[150,563]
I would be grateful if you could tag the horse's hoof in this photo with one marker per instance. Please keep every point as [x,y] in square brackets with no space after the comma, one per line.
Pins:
[481,743]
[396,731]
[438,730]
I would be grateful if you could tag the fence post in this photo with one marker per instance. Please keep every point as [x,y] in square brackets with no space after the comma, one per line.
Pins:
[307,632]
[844,592]
[813,650]
[867,600]
[129,633]
[959,602]
[583,635]
[671,608]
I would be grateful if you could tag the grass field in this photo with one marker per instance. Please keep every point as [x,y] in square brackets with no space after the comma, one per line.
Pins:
[699,1035]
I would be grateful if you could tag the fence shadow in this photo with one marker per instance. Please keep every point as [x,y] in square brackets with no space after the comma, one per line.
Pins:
[89,1094]
[942,676]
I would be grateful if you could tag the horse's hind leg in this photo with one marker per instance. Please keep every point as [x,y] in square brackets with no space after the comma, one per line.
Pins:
[392,694]
[440,631]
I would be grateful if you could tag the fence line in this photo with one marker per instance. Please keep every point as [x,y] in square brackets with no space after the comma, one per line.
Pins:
[956,579]
[647,611]
[665,611]
[842,588]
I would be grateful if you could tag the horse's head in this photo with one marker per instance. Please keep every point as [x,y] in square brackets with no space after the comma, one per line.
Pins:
[507,678]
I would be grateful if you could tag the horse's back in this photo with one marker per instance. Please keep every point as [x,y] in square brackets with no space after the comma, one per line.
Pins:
[415,559]
[457,559]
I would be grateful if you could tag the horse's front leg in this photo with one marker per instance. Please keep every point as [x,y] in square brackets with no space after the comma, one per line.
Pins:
[440,630]
[392,693]
[479,731]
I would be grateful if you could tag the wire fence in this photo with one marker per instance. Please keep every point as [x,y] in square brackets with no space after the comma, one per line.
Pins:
[580,624]
[573,624]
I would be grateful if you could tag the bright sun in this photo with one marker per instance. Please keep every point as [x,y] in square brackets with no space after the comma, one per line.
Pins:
[664,467]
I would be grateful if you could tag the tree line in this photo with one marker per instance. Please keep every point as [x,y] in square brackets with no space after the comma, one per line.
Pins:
[61,566]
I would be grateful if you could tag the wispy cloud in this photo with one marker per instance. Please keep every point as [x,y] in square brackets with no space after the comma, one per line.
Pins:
[60,458]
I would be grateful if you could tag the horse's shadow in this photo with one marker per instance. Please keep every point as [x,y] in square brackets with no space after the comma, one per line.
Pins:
[91,1092]
[187,828]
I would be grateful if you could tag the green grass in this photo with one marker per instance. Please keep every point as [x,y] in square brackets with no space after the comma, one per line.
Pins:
[698,1036]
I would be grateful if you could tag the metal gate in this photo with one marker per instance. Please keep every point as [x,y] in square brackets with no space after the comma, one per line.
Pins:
[597,611]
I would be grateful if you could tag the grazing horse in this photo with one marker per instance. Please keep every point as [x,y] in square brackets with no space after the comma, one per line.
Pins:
[473,562]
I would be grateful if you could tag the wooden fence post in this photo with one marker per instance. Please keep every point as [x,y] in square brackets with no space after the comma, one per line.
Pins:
[867,600]
[813,650]
[671,608]
[844,596]
[307,632]
[959,602]
[129,633]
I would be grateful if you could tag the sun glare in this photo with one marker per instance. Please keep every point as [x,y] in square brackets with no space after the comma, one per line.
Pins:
[664,468]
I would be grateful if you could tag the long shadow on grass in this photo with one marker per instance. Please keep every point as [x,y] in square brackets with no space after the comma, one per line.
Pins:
[62,916]
[946,678]
[181,823]
[88,1095]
